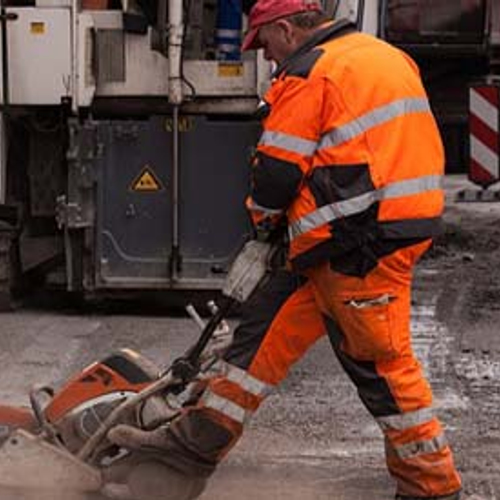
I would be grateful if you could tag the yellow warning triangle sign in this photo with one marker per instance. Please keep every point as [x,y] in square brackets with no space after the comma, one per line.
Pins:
[146,181]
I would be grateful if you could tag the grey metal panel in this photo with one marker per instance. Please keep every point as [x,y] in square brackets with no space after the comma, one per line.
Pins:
[39,56]
[134,230]
[214,182]
[110,55]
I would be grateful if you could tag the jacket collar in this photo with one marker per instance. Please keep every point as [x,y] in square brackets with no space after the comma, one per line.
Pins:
[334,30]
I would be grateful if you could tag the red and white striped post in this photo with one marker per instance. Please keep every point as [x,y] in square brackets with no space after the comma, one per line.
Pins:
[484,129]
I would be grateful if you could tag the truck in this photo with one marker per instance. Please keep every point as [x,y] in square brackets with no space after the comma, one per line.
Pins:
[127,127]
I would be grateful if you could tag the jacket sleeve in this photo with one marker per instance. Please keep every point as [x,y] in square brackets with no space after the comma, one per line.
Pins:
[284,154]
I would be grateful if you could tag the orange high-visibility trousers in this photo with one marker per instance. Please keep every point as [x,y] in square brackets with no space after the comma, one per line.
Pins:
[369,325]
[367,320]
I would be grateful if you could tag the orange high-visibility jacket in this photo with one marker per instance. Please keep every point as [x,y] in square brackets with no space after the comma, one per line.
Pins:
[350,151]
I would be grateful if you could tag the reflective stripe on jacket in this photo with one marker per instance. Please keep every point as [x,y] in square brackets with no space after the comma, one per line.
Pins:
[350,151]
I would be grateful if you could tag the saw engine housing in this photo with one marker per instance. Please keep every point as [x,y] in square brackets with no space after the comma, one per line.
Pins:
[83,403]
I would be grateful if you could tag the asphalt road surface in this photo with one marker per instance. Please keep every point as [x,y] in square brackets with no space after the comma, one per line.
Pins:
[313,439]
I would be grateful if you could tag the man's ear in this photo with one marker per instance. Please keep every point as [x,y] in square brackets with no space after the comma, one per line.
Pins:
[287,28]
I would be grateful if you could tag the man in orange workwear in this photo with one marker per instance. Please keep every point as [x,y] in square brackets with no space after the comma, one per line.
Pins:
[351,161]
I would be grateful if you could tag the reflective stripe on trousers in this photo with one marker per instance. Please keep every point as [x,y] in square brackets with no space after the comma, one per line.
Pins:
[219,395]
[395,426]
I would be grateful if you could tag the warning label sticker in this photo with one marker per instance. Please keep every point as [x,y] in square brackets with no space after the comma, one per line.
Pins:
[146,181]
[37,28]
[230,70]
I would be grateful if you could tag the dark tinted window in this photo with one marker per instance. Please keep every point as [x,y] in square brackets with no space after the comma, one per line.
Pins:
[423,21]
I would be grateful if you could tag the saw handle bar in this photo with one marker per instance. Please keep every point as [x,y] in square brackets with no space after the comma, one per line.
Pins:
[213,308]
[187,367]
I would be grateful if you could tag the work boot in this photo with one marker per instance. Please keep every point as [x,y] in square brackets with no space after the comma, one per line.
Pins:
[136,439]
[452,496]
[184,476]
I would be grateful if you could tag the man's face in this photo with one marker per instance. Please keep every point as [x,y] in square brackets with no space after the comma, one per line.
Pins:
[278,40]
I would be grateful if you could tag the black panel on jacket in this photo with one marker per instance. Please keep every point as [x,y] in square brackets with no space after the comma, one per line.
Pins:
[337,29]
[355,262]
[275,182]
[303,65]
[418,228]
[339,182]
[353,235]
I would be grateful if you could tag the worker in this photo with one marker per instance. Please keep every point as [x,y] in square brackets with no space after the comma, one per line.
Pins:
[350,159]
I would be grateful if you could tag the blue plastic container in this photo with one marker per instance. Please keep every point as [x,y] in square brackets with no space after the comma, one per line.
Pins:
[228,30]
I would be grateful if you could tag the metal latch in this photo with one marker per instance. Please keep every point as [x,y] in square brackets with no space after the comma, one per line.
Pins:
[8,16]
[68,214]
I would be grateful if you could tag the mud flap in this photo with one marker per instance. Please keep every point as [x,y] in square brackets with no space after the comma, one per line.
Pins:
[29,462]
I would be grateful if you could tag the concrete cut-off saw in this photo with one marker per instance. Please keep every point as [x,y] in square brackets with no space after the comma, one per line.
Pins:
[59,442]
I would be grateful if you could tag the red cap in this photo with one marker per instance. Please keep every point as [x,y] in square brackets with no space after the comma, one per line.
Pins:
[266,11]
